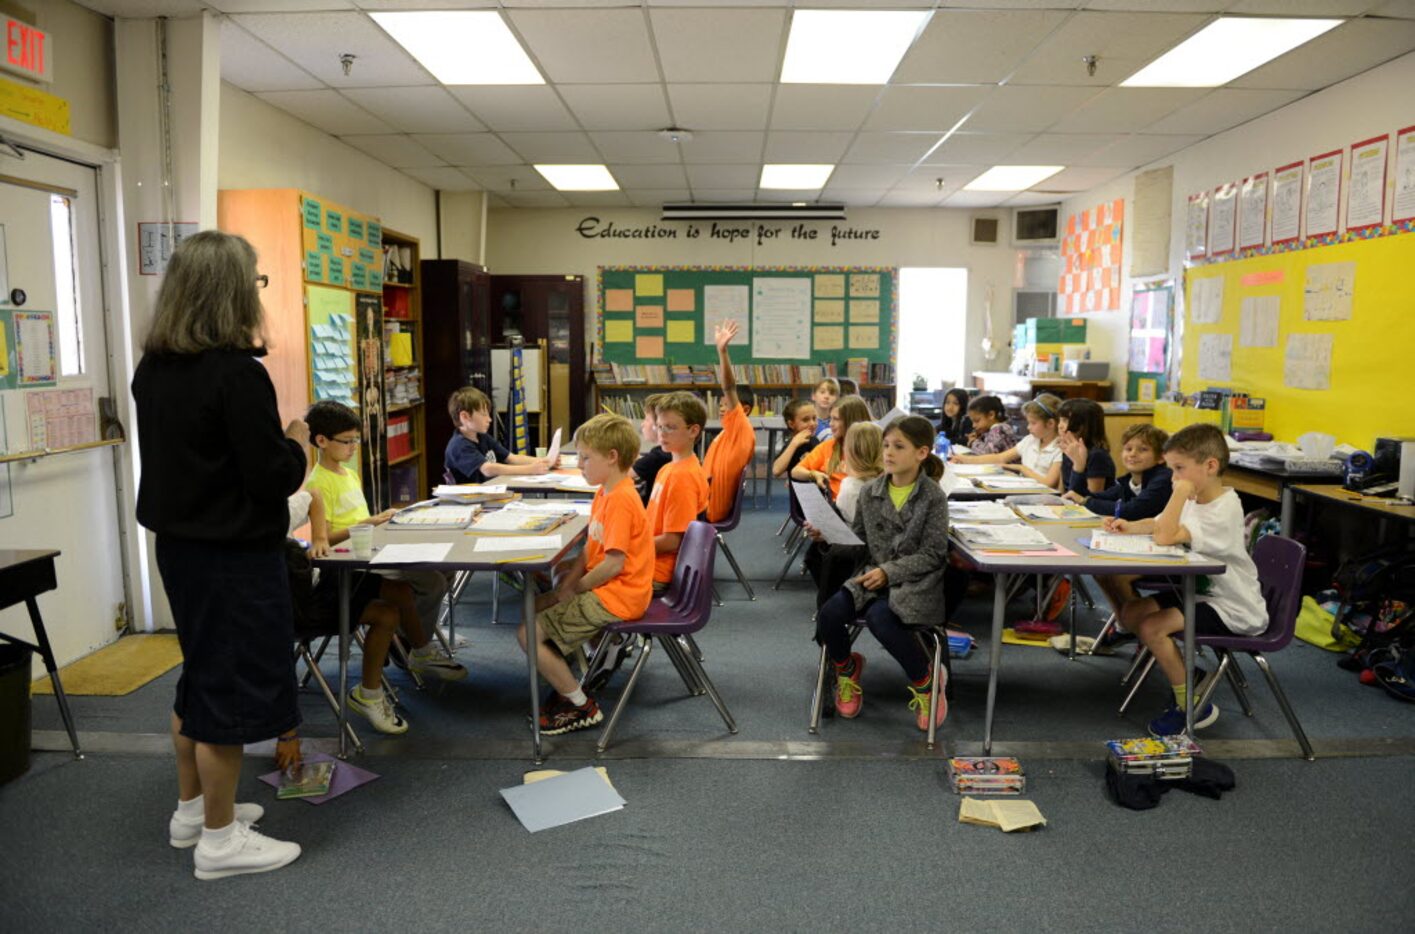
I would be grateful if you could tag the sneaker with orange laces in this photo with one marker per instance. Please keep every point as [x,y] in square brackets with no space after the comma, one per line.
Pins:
[848,696]
[923,695]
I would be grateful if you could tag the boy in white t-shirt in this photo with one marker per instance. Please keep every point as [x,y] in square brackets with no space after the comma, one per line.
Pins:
[1207,516]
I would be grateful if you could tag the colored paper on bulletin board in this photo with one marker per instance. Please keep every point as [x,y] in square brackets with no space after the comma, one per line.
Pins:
[618,331]
[336,270]
[324,242]
[373,234]
[864,337]
[314,266]
[830,311]
[618,299]
[648,348]
[681,332]
[366,256]
[864,285]
[648,316]
[333,221]
[830,285]
[356,229]
[682,300]
[864,311]
[648,284]
[830,338]
[313,214]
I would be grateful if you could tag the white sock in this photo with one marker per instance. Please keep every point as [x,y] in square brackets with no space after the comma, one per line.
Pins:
[194,808]
[423,651]
[578,698]
[373,695]
[219,836]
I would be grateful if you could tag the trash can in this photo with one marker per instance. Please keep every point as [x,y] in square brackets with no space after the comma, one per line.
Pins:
[14,710]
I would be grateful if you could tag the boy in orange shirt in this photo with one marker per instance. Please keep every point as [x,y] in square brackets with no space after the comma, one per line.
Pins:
[610,582]
[680,492]
[732,450]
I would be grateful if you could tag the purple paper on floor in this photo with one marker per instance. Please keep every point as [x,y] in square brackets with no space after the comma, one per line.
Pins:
[346,778]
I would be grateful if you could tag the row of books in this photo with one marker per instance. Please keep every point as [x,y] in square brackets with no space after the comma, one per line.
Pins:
[628,374]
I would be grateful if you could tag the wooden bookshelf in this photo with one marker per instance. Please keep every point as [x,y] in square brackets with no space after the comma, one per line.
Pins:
[402,307]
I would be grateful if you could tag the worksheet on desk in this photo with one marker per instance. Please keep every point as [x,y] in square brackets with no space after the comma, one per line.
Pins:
[425,553]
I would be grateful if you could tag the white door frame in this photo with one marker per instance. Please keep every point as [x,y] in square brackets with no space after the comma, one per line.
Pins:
[121,344]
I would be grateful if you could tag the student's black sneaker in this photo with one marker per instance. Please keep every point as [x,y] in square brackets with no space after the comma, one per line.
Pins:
[568,718]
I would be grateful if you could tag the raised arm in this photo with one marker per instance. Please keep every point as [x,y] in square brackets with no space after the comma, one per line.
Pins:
[723,335]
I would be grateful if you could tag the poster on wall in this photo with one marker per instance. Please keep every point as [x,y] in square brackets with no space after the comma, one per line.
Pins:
[1149,327]
[1090,260]
[1287,203]
[1323,193]
[1404,209]
[1222,225]
[1253,211]
[1366,198]
[1196,226]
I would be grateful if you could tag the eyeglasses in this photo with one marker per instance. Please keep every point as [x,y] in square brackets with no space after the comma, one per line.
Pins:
[347,442]
[262,281]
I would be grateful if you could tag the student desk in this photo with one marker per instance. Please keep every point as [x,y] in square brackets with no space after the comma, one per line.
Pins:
[1276,485]
[1381,507]
[24,575]
[462,557]
[1006,568]
[518,484]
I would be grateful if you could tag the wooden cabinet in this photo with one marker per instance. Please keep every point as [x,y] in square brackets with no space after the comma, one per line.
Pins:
[457,348]
[550,309]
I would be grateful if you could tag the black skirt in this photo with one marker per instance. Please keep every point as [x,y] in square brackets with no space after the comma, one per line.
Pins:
[236,628]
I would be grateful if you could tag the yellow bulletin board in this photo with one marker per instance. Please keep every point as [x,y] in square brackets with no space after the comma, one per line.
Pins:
[341,248]
[1371,352]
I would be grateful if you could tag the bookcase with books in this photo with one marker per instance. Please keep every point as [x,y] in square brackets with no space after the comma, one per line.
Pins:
[403,374]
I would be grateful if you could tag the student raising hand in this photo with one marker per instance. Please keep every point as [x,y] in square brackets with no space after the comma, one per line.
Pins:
[1074,448]
[724,333]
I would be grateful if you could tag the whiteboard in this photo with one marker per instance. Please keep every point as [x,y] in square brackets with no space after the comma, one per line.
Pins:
[531,364]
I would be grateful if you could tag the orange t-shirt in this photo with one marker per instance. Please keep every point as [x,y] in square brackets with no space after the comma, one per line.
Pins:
[680,494]
[729,452]
[818,458]
[618,523]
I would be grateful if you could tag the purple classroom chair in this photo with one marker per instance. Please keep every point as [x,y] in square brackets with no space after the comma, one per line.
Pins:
[797,539]
[730,523]
[672,619]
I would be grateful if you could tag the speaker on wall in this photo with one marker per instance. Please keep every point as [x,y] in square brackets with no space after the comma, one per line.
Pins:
[985,230]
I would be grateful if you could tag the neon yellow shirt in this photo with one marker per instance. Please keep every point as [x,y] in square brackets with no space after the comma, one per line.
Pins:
[898,494]
[343,496]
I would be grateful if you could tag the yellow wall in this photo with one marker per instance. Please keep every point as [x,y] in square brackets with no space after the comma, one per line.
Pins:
[1373,353]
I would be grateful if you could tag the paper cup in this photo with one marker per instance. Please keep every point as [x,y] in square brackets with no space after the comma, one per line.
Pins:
[541,452]
[361,540]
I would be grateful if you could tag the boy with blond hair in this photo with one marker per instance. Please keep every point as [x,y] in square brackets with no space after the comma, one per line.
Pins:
[472,455]
[611,580]
[680,494]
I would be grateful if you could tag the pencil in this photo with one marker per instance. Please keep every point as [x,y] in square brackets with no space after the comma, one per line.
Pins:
[523,558]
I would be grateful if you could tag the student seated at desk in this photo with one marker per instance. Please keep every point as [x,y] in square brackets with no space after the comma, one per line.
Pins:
[990,434]
[680,494]
[736,444]
[1086,464]
[648,464]
[825,465]
[1144,490]
[826,393]
[955,425]
[1207,516]
[800,418]
[472,455]
[612,579]
[1038,455]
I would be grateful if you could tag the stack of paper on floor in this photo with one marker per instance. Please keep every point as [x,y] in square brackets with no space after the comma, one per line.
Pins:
[1119,544]
[1006,815]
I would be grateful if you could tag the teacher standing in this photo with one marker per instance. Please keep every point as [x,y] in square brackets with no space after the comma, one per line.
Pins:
[216,474]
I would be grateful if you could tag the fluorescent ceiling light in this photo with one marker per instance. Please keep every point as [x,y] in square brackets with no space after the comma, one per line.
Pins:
[1225,49]
[462,47]
[1012,177]
[848,46]
[800,177]
[579,177]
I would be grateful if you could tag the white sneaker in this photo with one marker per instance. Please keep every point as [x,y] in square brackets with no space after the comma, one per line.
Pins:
[183,833]
[247,851]
[380,713]
[437,665]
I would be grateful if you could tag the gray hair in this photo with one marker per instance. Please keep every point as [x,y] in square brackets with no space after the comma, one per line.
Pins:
[209,298]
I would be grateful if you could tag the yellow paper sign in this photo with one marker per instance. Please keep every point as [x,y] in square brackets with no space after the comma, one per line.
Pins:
[648,284]
[830,286]
[830,310]
[864,311]
[864,338]
[830,338]
[682,300]
[34,106]
[681,332]
[619,331]
[618,299]
[649,348]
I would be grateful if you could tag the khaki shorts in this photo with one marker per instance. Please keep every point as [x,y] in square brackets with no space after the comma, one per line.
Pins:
[572,623]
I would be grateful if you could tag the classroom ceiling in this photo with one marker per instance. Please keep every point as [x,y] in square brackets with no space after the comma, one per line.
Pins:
[1004,76]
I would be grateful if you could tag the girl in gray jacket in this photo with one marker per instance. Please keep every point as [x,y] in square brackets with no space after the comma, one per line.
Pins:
[902,517]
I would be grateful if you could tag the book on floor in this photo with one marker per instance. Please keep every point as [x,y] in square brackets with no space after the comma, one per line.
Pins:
[1007,816]
[306,780]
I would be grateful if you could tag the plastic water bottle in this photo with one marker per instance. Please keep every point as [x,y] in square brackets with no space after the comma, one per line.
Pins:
[943,447]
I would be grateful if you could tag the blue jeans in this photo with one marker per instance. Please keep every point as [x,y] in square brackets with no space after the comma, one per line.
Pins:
[837,615]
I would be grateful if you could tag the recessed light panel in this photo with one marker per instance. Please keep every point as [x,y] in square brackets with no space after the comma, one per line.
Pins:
[1225,49]
[848,46]
[462,46]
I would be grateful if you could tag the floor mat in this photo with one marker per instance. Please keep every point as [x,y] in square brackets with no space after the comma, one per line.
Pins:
[117,669]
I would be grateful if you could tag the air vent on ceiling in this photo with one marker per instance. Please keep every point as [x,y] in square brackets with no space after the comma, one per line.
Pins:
[815,211]
[985,230]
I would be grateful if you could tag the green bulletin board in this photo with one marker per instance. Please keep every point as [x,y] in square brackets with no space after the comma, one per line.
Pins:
[789,314]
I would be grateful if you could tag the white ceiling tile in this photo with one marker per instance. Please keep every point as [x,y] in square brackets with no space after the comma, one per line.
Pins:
[976,199]
[507,177]
[789,195]
[1078,178]
[1059,148]
[399,4]
[1323,8]
[1028,109]
[1160,6]
[708,45]
[534,199]
[277,6]
[1222,109]
[967,47]
[597,199]
[1131,151]
[910,199]
[326,110]
[1347,50]
[443,178]
[723,195]
[894,148]
[1123,42]
[252,65]
[617,106]
[1126,110]
[516,107]
[927,178]
[1399,9]
[1027,199]
[588,46]
[399,151]
[469,148]
[553,148]
[724,176]
[877,177]
[635,148]
[721,146]
[649,176]
[494,202]
[142,8]
[924,108]
[852,197]
[720,106]
[978,148]
[416,110]
[814,148]
[821,106]
[655,197]
[314,41]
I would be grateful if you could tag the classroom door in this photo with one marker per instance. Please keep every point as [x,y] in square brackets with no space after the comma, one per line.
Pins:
[49,225]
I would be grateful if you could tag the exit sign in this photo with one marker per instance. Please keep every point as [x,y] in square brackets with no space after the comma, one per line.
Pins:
[27,50]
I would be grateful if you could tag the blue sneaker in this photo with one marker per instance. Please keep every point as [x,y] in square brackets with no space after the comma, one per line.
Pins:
[1171,722]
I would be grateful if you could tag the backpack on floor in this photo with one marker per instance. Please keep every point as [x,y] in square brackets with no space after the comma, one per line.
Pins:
[1377,606]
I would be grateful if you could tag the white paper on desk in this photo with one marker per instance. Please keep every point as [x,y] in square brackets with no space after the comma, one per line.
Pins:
[547,479]
[577,482]
[890,416]
[424,553]
[822,516]
[553,507]
[554,451]
[517,543]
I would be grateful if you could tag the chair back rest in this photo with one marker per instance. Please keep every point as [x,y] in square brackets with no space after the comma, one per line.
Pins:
[447,477]
[793,504]
[690,592]
[1280,562]
[739,484]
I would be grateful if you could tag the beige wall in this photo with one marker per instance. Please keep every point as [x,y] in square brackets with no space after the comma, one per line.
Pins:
[262,147]
[83,65]
[547,241]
